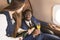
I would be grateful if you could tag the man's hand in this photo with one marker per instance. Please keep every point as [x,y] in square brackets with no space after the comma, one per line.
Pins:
[21,38]
[54,27]
[36,32]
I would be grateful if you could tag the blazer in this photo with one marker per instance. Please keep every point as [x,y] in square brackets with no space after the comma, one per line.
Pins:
[25,26]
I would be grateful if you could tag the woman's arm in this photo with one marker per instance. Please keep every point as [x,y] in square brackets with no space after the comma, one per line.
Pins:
[30,31]
[20,30]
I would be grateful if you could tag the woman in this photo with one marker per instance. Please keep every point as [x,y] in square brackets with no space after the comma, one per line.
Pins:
[13,15]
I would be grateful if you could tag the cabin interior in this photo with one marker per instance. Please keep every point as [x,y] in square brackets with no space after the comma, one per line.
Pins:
[44,10]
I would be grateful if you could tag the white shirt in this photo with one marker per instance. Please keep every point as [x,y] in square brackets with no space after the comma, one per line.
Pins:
[27,22]
[3,26]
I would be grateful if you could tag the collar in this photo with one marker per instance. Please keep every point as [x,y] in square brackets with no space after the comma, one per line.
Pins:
[27,22]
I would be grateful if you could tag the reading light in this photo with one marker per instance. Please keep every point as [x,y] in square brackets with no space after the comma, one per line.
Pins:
[56,15]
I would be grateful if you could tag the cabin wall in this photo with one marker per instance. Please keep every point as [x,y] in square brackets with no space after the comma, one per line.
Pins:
[43,9]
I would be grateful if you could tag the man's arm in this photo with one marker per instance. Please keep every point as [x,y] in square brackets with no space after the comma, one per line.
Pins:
[54,28]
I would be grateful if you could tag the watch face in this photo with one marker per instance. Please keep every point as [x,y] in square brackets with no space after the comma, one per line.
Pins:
[9,1]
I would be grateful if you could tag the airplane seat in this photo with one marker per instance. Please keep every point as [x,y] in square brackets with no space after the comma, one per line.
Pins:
[3,26]
[44,28]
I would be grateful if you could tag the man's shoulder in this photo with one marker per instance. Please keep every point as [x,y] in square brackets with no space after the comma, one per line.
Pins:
[23,22]
[34,19]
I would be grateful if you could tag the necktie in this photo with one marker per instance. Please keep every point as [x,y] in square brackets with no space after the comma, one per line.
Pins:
[30,25]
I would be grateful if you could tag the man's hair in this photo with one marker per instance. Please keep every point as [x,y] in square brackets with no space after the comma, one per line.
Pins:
[15,4]
[28,10]
[24,13]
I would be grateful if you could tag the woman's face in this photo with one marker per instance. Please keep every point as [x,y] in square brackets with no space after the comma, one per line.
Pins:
[28,15]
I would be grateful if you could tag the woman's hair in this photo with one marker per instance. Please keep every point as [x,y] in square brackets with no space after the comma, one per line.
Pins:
[15,4]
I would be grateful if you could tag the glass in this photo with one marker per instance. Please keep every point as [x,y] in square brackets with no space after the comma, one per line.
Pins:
[38,26]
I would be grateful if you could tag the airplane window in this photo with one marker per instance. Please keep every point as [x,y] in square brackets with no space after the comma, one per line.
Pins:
[56,15]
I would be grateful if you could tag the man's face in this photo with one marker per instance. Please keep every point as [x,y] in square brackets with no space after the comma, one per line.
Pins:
[28,15]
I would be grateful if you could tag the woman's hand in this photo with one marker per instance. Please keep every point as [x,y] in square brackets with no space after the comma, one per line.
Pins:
[30,31]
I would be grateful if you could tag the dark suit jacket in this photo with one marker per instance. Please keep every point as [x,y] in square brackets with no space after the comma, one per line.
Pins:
[25,26]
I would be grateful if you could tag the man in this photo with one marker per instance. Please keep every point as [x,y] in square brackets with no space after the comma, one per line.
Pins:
[29,22]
